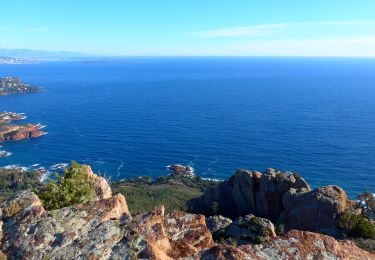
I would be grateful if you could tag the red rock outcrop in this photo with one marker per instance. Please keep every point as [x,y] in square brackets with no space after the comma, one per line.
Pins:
[105,229]
[249,192]
[19,132]
[188,233]
[102,188]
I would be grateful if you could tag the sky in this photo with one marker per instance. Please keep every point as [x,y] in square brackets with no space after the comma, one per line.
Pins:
[191,27]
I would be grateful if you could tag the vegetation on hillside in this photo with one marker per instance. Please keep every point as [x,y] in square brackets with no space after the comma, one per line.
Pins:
[74,186]
[172,191]
[12,181]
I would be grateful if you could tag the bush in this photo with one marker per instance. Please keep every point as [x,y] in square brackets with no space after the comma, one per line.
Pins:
[74,186]
[366,244]
[356,226]
[12,181]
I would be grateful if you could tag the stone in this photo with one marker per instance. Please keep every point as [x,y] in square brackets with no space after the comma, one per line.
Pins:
[222,252]
[251,229]
[20,201]
[307,245]
[315,210]
[218,224]
[188,233]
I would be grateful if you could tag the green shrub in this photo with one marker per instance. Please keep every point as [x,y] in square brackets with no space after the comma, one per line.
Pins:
[74,186]
[356,226]
[366,244]
[145,197]
[13,181]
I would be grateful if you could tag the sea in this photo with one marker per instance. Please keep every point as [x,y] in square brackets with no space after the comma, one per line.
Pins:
[133,116]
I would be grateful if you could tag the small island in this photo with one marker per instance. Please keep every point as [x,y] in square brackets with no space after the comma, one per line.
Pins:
[12,85]
[14,132]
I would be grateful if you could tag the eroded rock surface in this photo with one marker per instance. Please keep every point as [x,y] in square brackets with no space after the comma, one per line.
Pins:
[249,192]
[293,245]
[105,229]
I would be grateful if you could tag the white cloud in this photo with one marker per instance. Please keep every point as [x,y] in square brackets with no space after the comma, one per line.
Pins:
[266,29]
[38,29]
[359,46]
[255,30]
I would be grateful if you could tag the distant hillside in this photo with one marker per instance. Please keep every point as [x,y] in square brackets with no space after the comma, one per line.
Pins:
[41,55]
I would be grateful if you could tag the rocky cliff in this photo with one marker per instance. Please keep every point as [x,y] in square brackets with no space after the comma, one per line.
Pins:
[105,229]
[279,196]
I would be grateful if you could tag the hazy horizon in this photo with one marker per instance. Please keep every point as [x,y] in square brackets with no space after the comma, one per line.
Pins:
[192,28]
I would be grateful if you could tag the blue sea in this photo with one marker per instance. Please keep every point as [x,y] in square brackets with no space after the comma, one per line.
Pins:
[133,116]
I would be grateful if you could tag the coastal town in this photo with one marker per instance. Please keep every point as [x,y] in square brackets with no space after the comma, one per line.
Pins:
[13,85]
[9,60]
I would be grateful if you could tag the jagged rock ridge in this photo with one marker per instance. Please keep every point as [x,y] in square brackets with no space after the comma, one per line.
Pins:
[105,229]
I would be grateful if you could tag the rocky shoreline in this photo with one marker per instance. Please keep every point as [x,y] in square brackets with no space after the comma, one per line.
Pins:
[16,132]
[106,229]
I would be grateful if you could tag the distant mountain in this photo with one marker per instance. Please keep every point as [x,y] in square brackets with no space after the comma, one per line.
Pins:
[41,55]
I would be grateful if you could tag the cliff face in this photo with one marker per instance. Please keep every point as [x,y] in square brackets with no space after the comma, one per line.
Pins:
[250,192]
[105,229]
[276,196]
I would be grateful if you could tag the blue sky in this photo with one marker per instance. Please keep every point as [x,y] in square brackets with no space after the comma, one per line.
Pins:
[191,27]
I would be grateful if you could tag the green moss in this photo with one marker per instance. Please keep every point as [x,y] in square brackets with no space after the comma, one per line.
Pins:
[172,191]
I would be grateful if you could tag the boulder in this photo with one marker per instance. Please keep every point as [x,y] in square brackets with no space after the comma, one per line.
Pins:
[315,210]
[251,229]
[19,202]
[218,224]
[145,238]
[152,235]
[188,233]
